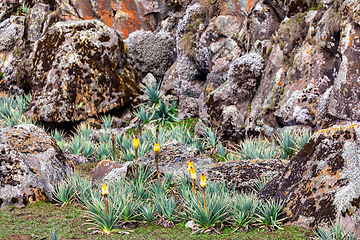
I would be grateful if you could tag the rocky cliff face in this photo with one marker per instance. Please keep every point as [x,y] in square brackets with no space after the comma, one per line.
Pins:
[308,49]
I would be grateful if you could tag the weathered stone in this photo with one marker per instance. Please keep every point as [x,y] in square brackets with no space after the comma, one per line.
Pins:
[11,30]
[79,71]
[104,168]
[321,182]
[31,164]
[173,159]
[38,14]
[244,175]
[150,52]
[344,98]
[227,106]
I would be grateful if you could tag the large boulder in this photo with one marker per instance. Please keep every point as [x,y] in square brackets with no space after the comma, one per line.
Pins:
[245,174]
[227,105]
[321,182]
[151,52]
[79,70]
[173,159]
[31,164]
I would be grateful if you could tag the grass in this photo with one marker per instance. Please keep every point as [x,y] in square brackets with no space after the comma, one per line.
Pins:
[40,218]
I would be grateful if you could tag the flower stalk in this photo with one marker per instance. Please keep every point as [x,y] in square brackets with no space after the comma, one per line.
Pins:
[203,186]
[136,143]
[113,145]
[157,152]
[105,193]
[193,179]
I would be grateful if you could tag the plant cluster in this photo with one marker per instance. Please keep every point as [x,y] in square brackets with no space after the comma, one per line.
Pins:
[155,108]
[285,145]
[12,110]
[334,231]
[143,198]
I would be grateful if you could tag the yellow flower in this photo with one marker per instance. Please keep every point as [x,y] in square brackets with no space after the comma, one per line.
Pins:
[157,148]
[203,181]
[192,173]
[105,190]
[191,165]
[136,143]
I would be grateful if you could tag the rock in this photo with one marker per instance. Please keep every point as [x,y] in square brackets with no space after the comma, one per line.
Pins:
[343,102]
[104,168]
[245,174]
[76,159]
[150,52]
[182,79]
[262,22]
[192,225]
[188,107]
[122,16]
[79,71]
[31,164]
[149,79]
[39,20]
[11,30]
[227,106]
[321,182]
[173,159]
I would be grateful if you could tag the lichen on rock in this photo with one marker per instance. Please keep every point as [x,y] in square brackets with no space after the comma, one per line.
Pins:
[80,70]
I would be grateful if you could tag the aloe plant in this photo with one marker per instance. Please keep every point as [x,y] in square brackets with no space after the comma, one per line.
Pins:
[84,130]
[99,219]
[107,121]
[164,113]
[152,93]
[216,213]
[336,231]
[147,213]
[287,141]
[243,210]
[144,114]
[88,149]
[58,135]
[76,145]
[63,192]
[269,213]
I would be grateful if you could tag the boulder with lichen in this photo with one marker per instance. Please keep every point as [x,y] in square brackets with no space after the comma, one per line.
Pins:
[80,70]
[31,164]
[150,52]
[322,181]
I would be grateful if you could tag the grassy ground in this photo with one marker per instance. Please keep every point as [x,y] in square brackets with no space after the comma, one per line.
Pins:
[38,219]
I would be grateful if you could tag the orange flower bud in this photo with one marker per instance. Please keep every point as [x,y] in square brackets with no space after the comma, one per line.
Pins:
[136,143]
[192,173]
[157,148]
[191,165]
[105,190]
[203,181]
